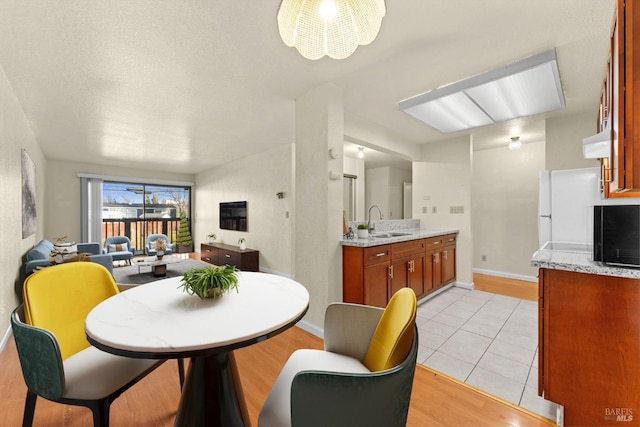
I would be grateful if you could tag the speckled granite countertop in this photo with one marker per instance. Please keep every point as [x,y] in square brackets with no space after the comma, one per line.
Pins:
[578,259]
[408,234]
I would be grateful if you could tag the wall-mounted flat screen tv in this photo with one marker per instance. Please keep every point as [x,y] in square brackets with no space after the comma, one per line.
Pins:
[233,216]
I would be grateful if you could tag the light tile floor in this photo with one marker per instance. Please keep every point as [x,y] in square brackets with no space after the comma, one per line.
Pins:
[488,341]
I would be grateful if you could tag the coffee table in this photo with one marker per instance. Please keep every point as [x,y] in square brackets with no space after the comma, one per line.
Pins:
[158,266]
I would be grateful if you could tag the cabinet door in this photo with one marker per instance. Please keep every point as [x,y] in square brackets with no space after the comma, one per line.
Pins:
[376,283]
[427,284]
[436,260]
[416,274]
[448,264]
[399,274]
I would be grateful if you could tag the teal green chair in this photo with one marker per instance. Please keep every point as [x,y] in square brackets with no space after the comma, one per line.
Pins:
[57,361]
[363,377]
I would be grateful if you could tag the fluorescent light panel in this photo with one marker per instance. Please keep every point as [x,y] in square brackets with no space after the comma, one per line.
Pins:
[525,88]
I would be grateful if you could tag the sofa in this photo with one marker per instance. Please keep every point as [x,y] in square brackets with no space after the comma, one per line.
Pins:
[39,255]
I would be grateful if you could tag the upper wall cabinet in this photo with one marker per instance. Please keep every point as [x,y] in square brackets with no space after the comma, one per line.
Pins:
[620,104]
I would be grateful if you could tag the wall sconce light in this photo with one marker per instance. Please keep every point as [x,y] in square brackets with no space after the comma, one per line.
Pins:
[361,152]
[280,195]
[515,143]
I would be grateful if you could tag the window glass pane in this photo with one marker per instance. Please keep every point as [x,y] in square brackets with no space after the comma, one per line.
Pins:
[138,210]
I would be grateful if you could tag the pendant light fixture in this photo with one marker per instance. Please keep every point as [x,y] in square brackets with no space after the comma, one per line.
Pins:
[329,27]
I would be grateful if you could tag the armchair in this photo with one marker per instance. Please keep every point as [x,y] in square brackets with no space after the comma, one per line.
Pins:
[149,247]
[56,359]
[363,377]
[120,248]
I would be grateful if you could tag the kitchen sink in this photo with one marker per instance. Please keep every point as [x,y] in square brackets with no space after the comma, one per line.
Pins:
[390,234]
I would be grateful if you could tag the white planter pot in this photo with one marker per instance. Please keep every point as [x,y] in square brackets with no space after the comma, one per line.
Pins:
[363,234]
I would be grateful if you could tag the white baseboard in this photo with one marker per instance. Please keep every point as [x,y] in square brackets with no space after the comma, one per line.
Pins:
[5,338]
[277,273]
[506,275]
[312,329]
[467,286]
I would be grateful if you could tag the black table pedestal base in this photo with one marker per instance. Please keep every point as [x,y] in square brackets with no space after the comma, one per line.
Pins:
[212,394]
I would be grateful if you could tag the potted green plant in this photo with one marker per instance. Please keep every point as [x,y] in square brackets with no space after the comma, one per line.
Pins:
[184,242]
[242,244]
[210,282]
[363,231]
[211,237]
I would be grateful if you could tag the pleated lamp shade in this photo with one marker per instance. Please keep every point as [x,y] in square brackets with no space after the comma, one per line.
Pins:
[329,27]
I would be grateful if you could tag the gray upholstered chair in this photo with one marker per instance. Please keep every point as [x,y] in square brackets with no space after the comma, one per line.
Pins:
[363,377]
[120,248]
[149,247]
[57,361]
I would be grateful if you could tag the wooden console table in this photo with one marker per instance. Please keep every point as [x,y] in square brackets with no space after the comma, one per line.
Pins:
[221,254]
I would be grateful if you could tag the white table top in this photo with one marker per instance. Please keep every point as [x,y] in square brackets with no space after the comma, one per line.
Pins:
[160,318]
[153,261]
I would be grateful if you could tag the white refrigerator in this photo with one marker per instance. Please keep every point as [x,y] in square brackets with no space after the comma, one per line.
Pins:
[565,206]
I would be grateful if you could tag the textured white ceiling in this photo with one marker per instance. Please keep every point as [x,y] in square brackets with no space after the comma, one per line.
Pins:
[186,85]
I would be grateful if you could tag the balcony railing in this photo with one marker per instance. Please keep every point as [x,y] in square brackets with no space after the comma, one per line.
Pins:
[137,230]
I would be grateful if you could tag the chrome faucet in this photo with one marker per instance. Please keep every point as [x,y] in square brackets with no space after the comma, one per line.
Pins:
[372,229]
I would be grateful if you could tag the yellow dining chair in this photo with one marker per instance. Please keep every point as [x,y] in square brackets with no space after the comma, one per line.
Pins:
[363,377]
[57,361]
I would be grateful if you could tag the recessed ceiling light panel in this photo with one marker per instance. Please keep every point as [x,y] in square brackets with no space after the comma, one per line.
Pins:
[525,88]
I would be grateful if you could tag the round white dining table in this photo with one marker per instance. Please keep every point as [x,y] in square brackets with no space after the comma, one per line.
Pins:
[159,320]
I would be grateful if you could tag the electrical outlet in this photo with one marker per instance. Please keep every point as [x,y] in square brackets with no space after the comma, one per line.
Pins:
[484,257]
[434,210]
[424,209]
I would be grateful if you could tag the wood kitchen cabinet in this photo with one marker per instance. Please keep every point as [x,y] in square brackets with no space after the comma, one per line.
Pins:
[371,275]
[589,337]
[620,103]
[407,267]
[221,254]
[448,259]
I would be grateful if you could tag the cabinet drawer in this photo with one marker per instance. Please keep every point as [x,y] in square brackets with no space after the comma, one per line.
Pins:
[449,239]
[228,257]
[434,242]
[407,248]
[209,254]
[376,254]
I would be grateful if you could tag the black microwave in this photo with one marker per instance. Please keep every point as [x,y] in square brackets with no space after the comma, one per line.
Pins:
[616,234]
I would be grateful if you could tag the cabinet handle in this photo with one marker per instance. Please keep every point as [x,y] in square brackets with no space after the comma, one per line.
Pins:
[412,263]
[381,254]
[391,272]
[436,258]
[436,243]
[445,255]
[452,240]
[227,255]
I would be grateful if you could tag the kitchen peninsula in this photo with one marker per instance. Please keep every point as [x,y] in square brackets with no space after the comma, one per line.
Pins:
[589,336]
[399,254]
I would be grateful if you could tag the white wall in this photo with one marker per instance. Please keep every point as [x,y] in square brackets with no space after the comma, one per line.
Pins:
[255,179]
[443,179]
[15,134]
[62,204]
[318,206]
[354,166]
[504,202]
[564,137]
[384,187]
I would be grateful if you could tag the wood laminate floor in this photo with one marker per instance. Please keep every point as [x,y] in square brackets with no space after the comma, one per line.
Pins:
[437,399]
